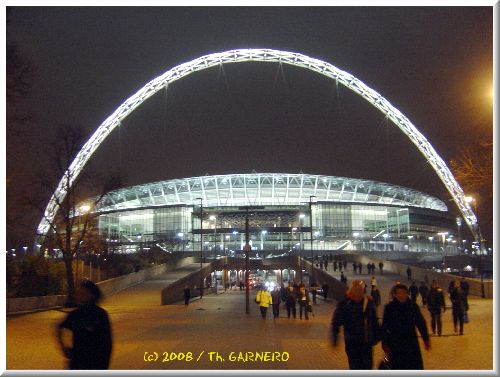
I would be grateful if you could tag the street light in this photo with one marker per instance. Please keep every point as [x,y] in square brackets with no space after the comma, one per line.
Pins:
[262,235]
[479,236]
[458,221]
[386,236]
[301,218]
[294,229]
[201,246]
[311,225]
[409,242]
[214,219]
[443,239]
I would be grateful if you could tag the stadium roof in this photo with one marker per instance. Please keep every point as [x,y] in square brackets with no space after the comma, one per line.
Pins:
[264,189]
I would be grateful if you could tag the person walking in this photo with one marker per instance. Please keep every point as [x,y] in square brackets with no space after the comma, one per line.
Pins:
[435,302]
[381,267]
[424,292]
[187,295]
[408,273]
[291,301]
[343,279]
[413,292]
[276,297]
[465,287]
[304,300]
[356,313]
[373,281]
[451,286]
[458,301]
[377,300]
[313,288]
[399,339]
[89,323]
[283,292]
[324,288]
[264,299]
[360,268]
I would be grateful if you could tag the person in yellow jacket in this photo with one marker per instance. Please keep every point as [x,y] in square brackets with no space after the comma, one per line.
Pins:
[264,299]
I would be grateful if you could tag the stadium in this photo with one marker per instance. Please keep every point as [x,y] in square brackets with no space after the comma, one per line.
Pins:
[286,213]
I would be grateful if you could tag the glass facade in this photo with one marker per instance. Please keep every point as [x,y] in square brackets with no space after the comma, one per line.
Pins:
[277,230]
[347,214]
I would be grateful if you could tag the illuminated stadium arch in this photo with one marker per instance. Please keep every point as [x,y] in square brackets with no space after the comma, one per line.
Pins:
[260,55]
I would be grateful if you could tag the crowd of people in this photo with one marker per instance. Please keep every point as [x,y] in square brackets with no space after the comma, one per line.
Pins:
[357,314]
[401,319]
[293,296]
[340,264]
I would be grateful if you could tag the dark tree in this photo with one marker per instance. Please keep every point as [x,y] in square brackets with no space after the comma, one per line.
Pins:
[74,229]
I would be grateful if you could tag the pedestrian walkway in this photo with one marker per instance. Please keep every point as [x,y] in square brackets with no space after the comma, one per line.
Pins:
[219,324]
[147,292]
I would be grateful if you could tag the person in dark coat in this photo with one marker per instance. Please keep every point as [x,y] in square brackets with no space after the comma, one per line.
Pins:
[381,267]
[465,287]
[451,286]
[343,279]
[356,313]
[458,301]
[276,296]
[413,292]
[436,303]
[187,295]
[324,288]
[89,323]
[408,273]
[291,302]
[375,293]
[424,292]
[283,292]
[400,341]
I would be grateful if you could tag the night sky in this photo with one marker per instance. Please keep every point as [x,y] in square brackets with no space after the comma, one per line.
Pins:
[434,64]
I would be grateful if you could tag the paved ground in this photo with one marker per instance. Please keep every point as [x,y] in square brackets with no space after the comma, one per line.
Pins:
[218,323]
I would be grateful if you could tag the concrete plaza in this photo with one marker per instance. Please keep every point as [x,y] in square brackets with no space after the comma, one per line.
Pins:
[217,325]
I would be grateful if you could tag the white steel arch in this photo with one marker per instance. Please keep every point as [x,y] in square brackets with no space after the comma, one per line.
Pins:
[261,55]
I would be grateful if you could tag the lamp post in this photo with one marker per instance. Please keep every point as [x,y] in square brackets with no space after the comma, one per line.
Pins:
[409,242]
[247,248]
[262,236]
[301,238]
[214,219]
[443,239]
[470,199]
[311,224]
[201,246]
[458,221]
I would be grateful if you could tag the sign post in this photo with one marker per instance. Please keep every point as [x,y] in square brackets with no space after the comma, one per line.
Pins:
[247,248]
